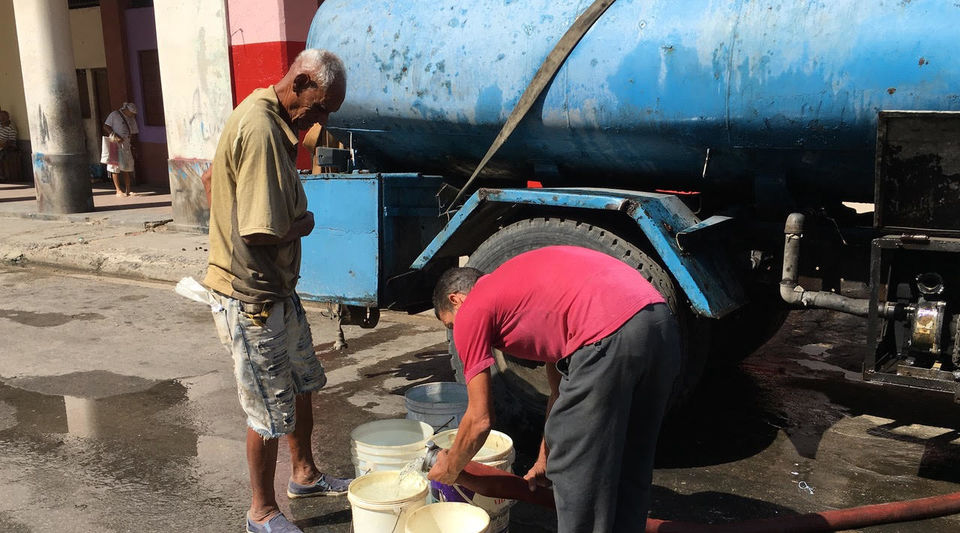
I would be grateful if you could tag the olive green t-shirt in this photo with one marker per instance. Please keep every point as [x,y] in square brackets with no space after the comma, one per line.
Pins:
[255,188]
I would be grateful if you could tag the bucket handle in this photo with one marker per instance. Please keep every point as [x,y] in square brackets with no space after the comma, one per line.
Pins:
[462,494]
[445,424]
[367,470]
[466,499]
[399,511]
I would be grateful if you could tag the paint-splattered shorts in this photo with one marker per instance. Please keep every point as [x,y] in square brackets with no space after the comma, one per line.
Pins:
[273,359]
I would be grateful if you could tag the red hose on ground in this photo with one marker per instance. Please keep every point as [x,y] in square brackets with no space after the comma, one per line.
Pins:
[489,481]
[840,519]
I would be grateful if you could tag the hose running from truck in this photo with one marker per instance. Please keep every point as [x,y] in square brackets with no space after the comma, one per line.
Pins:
[496,483]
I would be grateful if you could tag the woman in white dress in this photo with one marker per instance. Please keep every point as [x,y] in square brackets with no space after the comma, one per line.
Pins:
[120,127]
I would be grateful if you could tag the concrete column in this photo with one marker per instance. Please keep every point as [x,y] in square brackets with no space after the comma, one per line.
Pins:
[60,163]
[195,74]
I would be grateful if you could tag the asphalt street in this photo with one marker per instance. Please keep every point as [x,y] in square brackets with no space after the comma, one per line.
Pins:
[118,412]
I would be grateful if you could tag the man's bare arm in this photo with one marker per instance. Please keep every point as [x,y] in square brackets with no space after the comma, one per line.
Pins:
[301,227]
[538,472]
[206,179]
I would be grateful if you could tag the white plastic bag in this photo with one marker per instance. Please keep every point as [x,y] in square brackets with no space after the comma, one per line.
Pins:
[190,288]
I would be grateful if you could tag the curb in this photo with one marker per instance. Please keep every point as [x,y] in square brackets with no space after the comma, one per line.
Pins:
[95,216]
[119,263]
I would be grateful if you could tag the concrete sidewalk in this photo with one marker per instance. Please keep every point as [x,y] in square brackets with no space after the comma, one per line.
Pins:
[123,236]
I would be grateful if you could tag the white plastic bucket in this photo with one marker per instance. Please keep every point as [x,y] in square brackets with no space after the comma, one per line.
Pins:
[388,444]
[451,517]
[498,452]
[380,503]
[441,405]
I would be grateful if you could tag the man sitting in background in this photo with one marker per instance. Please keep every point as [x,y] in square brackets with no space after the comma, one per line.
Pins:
[9,153]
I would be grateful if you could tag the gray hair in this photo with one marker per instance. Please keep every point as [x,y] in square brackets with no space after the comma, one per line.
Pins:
[452,281]
[323,67]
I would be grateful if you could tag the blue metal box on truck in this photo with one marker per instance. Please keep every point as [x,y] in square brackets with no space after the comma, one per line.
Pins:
[369,229]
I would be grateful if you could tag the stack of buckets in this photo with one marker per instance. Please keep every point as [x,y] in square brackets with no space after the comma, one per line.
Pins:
[383,503]
[497,452]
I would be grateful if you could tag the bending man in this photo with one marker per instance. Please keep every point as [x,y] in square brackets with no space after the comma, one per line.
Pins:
[612,354]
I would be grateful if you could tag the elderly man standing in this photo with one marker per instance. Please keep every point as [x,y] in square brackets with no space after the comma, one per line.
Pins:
[612,354]
[258,214]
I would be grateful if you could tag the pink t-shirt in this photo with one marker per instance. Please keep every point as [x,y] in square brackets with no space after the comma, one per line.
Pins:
[545,304]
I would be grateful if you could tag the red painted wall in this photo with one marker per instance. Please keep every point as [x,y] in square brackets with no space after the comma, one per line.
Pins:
[260,65]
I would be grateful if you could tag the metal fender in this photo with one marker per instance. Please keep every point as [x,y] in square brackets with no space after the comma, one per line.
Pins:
[701,266]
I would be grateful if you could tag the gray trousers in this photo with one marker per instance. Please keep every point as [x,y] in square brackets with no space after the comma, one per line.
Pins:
[602,430]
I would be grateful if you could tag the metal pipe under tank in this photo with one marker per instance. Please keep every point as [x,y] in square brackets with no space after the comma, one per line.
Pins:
[793,293]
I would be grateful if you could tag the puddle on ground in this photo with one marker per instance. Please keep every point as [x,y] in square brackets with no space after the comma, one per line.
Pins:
[45,320]
[93,384]
[99,405]
[816,349]
[137,453]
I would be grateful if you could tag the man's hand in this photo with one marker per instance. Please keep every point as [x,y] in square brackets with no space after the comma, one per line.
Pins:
[304,224]
[537,476]
[206,179]
[441,471]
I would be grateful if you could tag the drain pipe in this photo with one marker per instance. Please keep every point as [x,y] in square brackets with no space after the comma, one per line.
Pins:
[794,294]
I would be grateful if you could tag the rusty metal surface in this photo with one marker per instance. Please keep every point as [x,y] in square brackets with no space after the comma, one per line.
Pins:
[918,171]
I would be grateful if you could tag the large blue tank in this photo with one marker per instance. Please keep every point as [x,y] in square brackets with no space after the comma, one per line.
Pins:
[783,89]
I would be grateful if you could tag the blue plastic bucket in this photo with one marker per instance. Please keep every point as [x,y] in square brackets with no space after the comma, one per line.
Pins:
[441,405]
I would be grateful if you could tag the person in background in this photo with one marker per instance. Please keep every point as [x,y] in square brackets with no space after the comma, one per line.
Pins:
[612,353]
[258,213]
[9,153]
[121,127]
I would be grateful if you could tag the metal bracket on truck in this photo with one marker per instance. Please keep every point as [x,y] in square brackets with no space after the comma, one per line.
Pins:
[700,266]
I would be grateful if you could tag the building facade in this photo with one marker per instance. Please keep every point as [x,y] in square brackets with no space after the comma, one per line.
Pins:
[185,64]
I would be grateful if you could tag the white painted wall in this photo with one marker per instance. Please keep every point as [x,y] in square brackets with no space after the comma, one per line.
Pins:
[194,56]
[86,31]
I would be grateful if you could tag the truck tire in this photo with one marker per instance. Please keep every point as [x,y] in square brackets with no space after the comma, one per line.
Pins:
[735,337]
[520,386]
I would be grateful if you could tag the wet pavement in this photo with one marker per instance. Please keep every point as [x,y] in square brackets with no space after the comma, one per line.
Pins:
[118,413]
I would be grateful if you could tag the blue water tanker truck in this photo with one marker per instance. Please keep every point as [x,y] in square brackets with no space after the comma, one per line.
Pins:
[747,157]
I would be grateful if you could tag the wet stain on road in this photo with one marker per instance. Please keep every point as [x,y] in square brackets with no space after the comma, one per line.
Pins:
[134,450]
[794,429]
[92,384]
[45,320]
[84,407]
[381,335]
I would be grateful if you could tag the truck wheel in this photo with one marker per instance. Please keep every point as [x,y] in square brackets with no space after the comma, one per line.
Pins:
[737,336]
[520,386]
